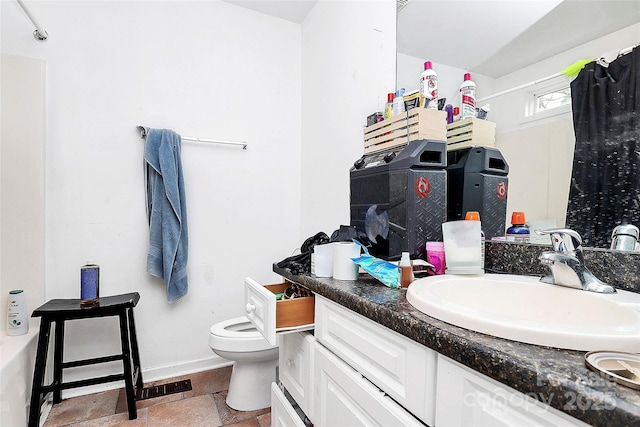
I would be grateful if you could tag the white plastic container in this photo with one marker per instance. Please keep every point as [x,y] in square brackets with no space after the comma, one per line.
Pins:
[398,103]
[429,87]
[467,98]
[17,320]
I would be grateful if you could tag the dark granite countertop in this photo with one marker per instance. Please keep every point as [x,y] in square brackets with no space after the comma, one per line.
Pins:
[555,377]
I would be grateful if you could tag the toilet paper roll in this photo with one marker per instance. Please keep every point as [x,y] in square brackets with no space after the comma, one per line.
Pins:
[323,260]
[343,266]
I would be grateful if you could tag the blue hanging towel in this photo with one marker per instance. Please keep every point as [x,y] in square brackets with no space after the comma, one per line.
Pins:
[166,211]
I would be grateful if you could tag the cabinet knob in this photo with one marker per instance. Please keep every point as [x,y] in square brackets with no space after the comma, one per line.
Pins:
[291,363]
[250,307]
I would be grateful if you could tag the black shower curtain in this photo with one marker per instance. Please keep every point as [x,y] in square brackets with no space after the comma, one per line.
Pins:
[605,184]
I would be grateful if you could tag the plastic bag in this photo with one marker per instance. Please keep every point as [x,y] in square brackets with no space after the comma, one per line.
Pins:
[382,270]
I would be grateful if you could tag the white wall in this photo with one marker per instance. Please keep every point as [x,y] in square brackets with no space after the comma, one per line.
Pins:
[22,215]
[540,152]
[209,70]
[204,69]
[348,62]
[449,78]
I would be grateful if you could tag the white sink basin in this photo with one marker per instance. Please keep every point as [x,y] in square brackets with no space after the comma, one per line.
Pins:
[524,309]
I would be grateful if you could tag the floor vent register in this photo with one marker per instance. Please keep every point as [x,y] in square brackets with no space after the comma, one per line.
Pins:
[163,389]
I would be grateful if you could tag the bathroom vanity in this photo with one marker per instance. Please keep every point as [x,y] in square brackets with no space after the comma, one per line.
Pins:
[374,359]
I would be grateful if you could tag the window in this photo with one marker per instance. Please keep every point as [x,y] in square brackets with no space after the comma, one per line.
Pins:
[548,100]
[553,99]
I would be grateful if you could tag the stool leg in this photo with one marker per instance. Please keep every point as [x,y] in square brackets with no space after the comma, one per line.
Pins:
[38,373]
[135,353]
[58,354]
[126,362]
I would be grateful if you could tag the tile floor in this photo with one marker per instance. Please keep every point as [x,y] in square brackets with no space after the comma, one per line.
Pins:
[203,406]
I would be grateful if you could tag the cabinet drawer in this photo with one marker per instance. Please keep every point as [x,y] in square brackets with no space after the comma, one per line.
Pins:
[344,398]
[271,315]
[402,368]
[282,413]
[296,366]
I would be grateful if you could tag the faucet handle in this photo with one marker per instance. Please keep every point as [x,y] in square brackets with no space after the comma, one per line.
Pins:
[564,240]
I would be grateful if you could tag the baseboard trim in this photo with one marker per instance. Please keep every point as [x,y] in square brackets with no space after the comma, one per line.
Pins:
[155,374]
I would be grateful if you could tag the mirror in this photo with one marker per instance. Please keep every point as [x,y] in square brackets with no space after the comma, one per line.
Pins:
[515,45]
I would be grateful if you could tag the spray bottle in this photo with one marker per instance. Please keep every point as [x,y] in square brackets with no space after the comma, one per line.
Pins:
[467,98]
[429,87]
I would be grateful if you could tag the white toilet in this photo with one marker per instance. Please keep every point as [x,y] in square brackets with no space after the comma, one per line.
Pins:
[255,362]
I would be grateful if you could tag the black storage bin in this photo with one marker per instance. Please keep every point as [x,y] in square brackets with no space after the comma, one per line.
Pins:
[477,181]
[398,197]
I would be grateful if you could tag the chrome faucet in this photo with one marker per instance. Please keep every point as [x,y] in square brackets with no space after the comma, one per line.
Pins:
[567,262]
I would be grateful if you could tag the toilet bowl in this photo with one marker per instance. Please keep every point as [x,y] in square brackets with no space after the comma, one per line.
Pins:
[254,362]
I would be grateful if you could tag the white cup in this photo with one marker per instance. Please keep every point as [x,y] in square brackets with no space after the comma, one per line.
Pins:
[462,247]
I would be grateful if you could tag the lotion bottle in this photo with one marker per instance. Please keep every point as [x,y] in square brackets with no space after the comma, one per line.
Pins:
[429,87]
[17,318]
[398,103]
[467,98]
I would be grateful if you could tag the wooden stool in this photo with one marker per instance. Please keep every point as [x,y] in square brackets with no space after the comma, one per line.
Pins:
[60,310]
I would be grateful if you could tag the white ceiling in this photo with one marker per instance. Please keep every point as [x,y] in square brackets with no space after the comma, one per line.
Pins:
[490,37]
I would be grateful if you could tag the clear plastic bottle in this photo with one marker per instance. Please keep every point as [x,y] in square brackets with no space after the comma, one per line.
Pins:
[475,216]
[429,87]
[467,98]
[406,270]
[398,102]
[388,107]
[89,283]
[519,230]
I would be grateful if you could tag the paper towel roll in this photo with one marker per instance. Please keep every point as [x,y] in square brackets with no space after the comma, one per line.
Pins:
[323,260]
[343,266]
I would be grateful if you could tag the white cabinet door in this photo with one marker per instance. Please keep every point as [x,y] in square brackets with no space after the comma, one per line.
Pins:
[282,413]
[344,398]
[296,368]
[401,367]
[468,398]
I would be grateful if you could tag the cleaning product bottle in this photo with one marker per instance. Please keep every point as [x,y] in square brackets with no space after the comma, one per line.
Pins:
[429,87]
[519,230]
[398,102]
[475,216]
[406,270]
[89,283]
[388,107]
[467,97]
